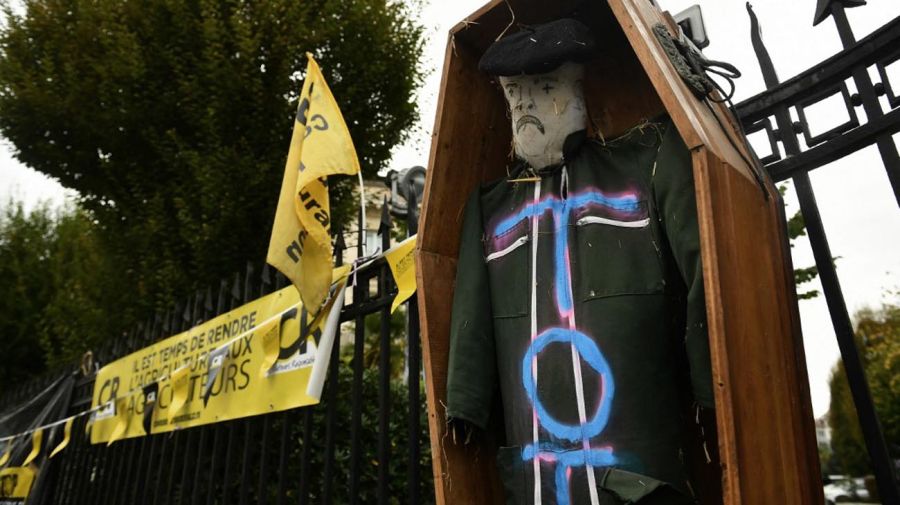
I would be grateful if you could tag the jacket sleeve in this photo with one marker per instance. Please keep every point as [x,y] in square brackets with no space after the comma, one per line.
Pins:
[472,372]
[673,187]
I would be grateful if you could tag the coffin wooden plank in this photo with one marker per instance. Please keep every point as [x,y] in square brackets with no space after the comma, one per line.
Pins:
[766,435]
[694,120]
[470,144]
[756,361]
[462,473]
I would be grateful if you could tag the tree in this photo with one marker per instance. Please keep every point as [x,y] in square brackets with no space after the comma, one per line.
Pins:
[55,281]
[796,227]
[172,118]
[24,246]
[878,339]
[85,307]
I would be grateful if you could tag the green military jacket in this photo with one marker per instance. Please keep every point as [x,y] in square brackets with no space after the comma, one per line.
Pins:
[579,305]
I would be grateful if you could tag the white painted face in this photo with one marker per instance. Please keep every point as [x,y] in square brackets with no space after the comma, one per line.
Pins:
[545,109]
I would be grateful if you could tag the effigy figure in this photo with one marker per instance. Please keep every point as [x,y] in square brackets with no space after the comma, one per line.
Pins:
[579,294]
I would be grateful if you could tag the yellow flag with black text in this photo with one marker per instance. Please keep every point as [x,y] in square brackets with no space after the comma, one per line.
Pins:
[300,245]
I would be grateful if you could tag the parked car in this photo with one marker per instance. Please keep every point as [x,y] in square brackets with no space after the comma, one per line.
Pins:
[840,488]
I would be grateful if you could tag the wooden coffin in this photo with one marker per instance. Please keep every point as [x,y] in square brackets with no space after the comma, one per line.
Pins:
[766,436]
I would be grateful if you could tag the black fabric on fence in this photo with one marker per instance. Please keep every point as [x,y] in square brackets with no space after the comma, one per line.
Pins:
[52,404]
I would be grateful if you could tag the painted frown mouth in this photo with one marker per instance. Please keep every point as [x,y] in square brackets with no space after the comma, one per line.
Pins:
[529,120]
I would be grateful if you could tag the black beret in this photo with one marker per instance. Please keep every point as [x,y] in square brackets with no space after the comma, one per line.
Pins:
[538,49]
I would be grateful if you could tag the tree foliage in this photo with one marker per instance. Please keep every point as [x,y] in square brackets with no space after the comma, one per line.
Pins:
[796,228]
[172,118]
[55,279]
[878,339]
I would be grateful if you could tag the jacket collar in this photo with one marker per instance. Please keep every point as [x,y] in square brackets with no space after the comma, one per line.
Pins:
[571,146]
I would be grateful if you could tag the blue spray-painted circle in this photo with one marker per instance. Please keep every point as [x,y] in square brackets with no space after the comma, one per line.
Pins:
[591,354]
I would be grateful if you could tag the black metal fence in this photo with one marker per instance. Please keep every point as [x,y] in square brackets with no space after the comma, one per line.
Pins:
[366,442]
[795,151]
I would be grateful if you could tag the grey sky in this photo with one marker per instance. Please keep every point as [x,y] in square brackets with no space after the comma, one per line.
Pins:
[861,217]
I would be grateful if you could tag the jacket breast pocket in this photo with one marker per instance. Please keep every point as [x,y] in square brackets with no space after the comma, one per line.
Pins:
[617,257]
[508,258]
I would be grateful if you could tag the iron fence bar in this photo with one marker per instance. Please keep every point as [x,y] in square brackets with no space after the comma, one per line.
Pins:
[282,458]
[231,430]
[213,464]
[164,445]
[249,424]
[198,470]
[87,482]
[63,475]
[170,486]
[413,363]
[307,453]
[359,294]
[147,483]
[836,69]
[262,488]
[384,368]
[331,389]
[835,149]
[253,427]
[144,478]
[203,451]
[80,458]
[80,473]
[103,460]
[129,467]
[66,493]
[866,90]
[231,426]
[83,474]
[191,315]
[332,386]
[832,289]
[217,428]
[140,476]
[414,453]
[175,442]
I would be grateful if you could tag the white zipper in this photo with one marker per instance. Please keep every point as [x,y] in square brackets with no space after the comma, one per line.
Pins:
[642,223]
[508,249]
[536,464]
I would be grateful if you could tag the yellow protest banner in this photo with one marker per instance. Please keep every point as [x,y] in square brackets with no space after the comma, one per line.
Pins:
[36,439]
[67,435]
[300,245]
[192,389]
[15,484]
[403,265]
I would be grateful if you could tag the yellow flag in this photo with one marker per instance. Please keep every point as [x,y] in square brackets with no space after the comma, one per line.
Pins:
[36,438]
[67,434]
[403,266]
[300,245]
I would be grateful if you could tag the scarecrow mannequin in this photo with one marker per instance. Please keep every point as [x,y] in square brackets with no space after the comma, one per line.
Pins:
[579,294]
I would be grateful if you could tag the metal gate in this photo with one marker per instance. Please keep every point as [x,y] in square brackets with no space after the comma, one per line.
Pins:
[771,112]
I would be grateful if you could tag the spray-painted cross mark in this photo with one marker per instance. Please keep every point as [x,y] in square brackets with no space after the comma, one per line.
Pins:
[626,207]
